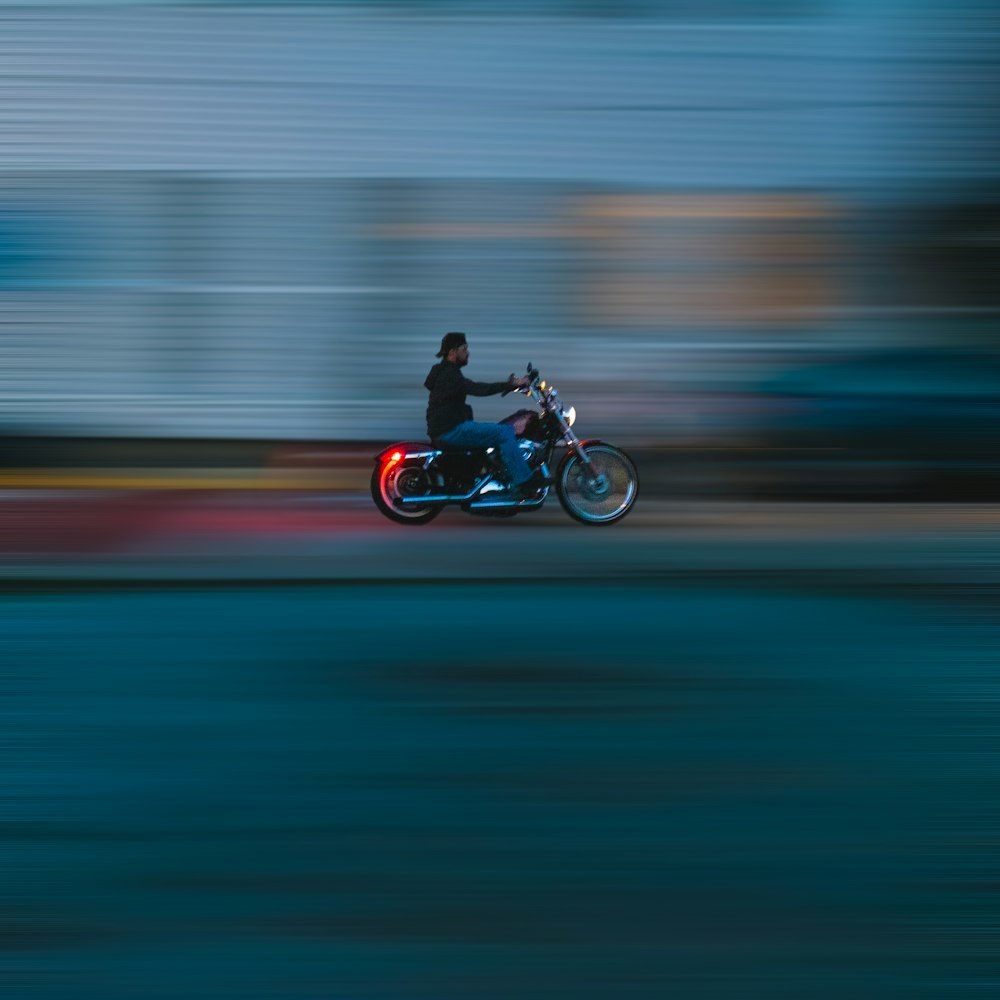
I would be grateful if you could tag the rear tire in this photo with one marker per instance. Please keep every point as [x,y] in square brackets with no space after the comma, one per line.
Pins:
[601,497]
[391,480]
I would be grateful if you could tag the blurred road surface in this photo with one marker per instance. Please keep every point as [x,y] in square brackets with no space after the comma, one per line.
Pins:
[269,744]
[288,535]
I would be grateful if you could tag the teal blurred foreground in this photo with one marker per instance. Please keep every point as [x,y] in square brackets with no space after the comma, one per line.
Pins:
[764,786]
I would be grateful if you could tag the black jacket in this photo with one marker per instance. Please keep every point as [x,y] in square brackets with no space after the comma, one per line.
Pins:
[449,387]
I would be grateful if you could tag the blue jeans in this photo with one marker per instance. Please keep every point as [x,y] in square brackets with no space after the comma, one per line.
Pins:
[472,434]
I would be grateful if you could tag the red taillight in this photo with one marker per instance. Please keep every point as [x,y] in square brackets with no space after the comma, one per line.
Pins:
[394,458]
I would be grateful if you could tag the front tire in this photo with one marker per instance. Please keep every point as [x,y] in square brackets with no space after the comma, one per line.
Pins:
[605,493]
[391,480]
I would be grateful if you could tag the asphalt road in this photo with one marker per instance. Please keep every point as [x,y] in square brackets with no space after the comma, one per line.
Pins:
[722,786]
[309,535]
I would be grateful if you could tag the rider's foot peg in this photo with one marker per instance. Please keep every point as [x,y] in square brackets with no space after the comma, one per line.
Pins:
[530,487]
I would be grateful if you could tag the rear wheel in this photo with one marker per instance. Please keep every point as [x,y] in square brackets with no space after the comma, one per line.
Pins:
[392,480]
[605,492]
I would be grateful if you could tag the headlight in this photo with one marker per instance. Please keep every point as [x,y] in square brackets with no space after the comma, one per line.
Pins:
[570,415]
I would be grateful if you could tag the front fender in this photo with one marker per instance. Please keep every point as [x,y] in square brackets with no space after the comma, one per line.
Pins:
[574,450]
[584,445]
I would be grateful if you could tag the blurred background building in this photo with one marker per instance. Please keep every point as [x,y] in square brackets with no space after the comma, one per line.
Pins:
[255,221]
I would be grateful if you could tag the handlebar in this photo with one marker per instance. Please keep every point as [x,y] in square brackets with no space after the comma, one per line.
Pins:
[534,376]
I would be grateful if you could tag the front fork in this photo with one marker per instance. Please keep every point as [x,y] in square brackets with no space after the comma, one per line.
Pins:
[576,445]
[596,483]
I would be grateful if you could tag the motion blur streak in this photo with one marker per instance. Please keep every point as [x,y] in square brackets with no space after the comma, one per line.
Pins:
[260,742]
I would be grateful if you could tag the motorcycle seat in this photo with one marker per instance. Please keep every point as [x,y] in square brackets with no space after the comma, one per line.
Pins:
[456,449]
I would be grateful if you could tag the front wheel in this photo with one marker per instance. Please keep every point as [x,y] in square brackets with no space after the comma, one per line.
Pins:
[401,479]
[605,492]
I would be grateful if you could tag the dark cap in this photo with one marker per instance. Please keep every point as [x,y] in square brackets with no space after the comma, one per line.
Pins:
[449,342]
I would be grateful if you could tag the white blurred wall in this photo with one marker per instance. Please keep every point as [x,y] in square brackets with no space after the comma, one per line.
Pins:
[258,221]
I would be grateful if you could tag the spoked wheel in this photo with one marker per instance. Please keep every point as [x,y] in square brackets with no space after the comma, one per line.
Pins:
[391,480]
[605,492]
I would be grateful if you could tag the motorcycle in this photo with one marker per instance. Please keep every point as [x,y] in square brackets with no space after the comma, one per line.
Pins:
[596,482]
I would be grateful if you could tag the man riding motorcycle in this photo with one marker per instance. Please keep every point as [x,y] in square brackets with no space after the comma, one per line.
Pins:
[450,419]
[413,482]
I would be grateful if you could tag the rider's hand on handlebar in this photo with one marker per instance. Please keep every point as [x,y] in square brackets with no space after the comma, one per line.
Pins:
[518,383]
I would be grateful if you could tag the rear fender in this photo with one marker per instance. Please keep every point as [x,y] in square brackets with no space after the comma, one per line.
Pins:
[409,449]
